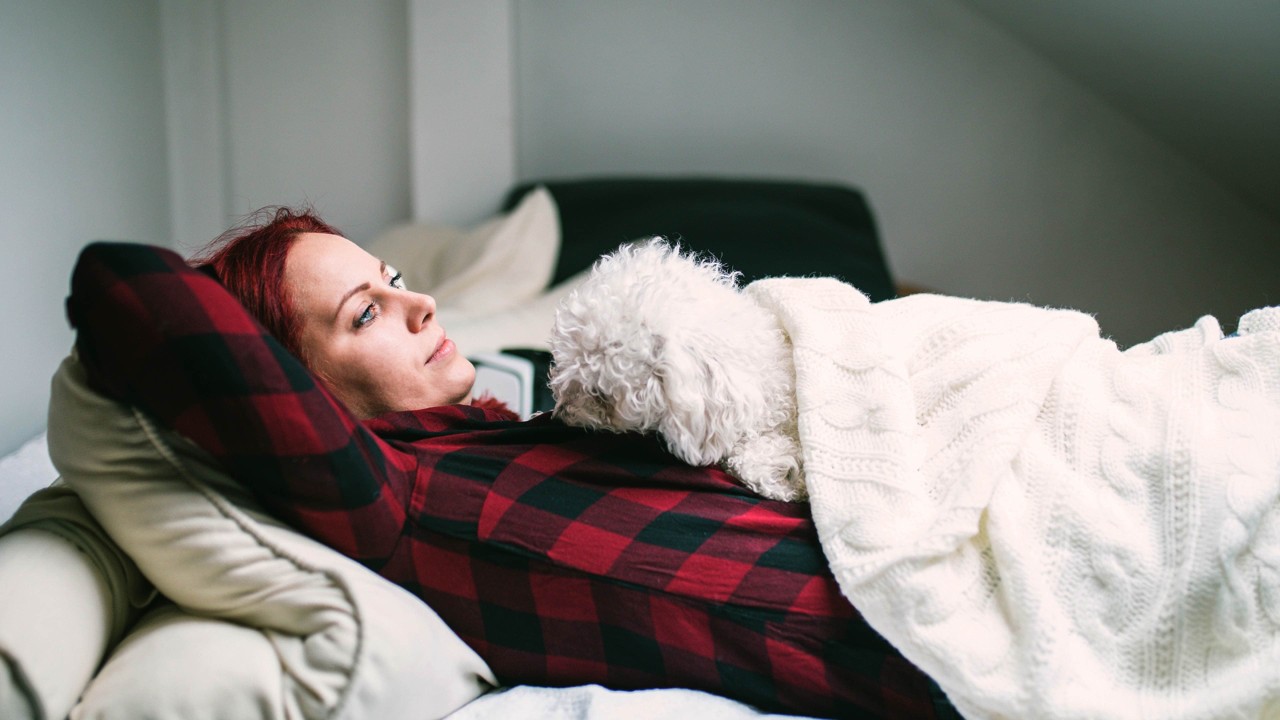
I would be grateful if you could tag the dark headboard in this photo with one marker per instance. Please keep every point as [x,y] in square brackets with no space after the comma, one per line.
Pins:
[759,228]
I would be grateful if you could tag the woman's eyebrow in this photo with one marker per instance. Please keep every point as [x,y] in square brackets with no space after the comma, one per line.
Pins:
[382,270]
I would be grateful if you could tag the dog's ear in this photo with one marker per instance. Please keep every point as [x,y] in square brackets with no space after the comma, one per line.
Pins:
[613,386]
[712,397]
[576,403]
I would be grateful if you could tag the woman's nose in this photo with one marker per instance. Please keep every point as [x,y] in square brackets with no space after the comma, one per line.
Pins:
[420,309]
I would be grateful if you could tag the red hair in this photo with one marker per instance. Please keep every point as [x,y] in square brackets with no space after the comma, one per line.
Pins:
[249,260]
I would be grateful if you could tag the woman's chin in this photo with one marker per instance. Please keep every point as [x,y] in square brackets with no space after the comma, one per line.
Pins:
[461,378]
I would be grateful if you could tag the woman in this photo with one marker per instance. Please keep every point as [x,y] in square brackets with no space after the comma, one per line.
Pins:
[346,314]
[563,557]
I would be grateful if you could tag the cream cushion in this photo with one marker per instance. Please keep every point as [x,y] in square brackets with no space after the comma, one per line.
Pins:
[525,326]
[55,622]
[343,642]
[489,282]
[174,664]
[492,267]
[67,595]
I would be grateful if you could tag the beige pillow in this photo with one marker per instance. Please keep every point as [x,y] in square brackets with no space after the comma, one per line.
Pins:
[492,267]
[526,326]
[67,595]
[56,618]
[346,643]
[174,664]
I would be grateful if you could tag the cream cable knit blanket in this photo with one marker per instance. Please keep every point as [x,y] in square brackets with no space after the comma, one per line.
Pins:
[1050,527]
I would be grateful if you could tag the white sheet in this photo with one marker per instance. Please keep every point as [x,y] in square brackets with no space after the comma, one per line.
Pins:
[592,702]
[24,471]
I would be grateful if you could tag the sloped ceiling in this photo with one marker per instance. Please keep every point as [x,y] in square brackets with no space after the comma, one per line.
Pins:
[1204,76]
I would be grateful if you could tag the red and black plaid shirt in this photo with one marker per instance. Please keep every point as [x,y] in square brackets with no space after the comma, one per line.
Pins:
[562,556]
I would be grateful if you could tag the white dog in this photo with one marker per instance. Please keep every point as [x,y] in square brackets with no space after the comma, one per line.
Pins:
[656,340]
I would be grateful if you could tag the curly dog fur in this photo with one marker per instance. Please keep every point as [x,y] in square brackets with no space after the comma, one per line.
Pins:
[659,340]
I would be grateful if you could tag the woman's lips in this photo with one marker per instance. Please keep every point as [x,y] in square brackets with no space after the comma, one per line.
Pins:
[446,348]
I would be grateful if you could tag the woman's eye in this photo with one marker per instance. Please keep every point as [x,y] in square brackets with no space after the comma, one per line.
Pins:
[397,279]
[369,315]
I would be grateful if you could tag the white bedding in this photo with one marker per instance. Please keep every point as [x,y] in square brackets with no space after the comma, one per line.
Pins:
[592,702]
[1048,526]
[24,471]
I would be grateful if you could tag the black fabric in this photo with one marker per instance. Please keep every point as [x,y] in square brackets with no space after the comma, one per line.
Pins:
[759,228]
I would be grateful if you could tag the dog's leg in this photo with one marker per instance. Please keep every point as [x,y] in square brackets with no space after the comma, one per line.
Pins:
[769,464]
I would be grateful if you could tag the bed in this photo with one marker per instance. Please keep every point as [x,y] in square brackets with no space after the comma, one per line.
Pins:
[310,635]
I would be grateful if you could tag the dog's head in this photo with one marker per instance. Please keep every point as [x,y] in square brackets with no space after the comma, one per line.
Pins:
[659,340]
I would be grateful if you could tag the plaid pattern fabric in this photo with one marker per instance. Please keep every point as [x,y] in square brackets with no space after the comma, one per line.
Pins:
[563,557]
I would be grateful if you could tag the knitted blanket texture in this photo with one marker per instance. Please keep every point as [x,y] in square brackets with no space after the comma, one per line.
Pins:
[1049,526]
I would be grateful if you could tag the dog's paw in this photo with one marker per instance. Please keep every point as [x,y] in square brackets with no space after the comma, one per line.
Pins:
[769,465]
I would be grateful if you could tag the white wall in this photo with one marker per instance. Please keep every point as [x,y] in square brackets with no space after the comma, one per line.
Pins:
[82,157]
[306,103]
[992,174]
[164,121]
[461,109]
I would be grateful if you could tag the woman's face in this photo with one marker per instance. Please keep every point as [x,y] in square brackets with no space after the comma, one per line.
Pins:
[377,345]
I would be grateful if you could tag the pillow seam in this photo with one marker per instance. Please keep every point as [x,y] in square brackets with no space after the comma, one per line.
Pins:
[228,510]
